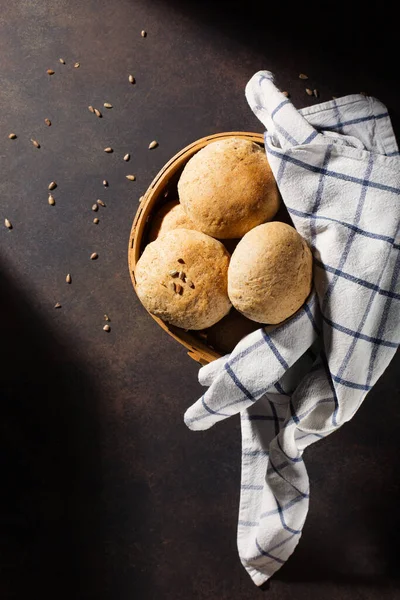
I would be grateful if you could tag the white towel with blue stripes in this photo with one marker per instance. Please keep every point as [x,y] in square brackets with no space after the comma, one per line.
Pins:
[337,166]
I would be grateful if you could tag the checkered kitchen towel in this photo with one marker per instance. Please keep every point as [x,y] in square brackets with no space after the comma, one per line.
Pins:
[338,169]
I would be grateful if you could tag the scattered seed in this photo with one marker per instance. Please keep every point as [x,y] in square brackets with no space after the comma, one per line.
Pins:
[12,136]
[316,93]
[58,305]
[127,157]
[77,65]
[107,318]
[95,207]
[131,177]
[106,328]
[163,284]
[174,273]
[52,185]
[107,105]
[48,122]
[109,150]
[51,200]
[62,61]
[302,76]
[91,108]
[171,285]
[153,144]
[143,33]
[35,143]
[182,275]
[179,289]
[96,221]
[141,198]
[93,256]
[286,94]
[68,278]
[309,92]
[180,260]
[7,224]
[100,203]
[50,72]
[131,79]
[97,113]
[105,182]
[190,283]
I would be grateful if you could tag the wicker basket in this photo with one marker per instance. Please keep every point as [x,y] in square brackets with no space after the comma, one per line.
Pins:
[162,188]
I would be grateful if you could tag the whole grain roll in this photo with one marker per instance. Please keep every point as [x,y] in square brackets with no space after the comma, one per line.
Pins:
[168,217]
[182,278]
[228,188]
[270,273]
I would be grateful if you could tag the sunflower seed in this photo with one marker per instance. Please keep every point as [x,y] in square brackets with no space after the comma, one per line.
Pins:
[302,76]
[96,221]
[182,275]
[127,157]
[131,177]
[62,61]
[316,93]
[107,105]
[174,273]
[48,122]
[179,289]
[143,33]
[190,283]
[35,143]
[106,328]
[105,182]
[93,256]
[153,144]
[141,199]
[68,278]
[91,108]
[95,207]
[7,224]
[107,318]
[286,94]
[97,113]
[180,260]
[50,72]
[12,136]
[109,150]
[51,200]
[77,65]
[309,92]
[163,284]
[52,185]
[58,305]
[131,79]
[100,203]
[171,285]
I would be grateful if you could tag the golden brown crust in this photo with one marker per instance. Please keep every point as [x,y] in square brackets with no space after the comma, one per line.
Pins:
[168,217]
[182,278]
[228,188]
[270,273]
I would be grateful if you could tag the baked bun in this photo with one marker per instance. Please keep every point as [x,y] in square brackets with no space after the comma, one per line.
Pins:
[228,188]
[168,217]
[182,278]
[270,273]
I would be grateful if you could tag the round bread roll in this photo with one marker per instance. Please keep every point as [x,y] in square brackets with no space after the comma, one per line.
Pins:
[170,216]
[182,278]
[270,273]
[228,188]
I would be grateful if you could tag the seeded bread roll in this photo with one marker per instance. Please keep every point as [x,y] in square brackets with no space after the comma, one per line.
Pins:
[228,188]
[182,278]
[270,273]
[170,216]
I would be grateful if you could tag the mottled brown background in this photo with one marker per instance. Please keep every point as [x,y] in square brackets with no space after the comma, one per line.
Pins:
[104,492]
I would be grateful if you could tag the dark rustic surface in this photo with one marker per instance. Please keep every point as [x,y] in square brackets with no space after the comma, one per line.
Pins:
[104,492]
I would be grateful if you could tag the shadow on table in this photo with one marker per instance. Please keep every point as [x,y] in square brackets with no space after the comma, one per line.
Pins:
[50,523]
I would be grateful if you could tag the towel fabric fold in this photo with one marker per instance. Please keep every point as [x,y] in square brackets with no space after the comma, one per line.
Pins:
[337,168]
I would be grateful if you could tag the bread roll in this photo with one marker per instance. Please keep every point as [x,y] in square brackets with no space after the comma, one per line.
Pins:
[270,273]
[168,217]
[182,278]
[228,188]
